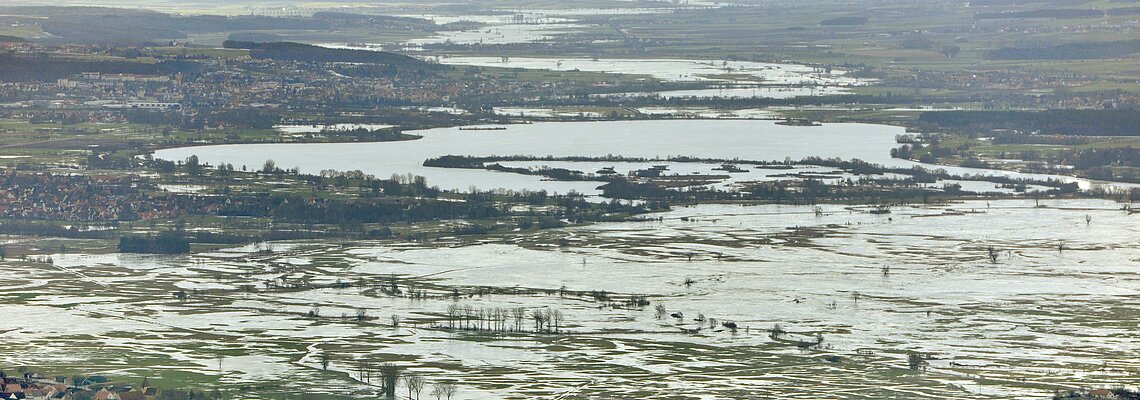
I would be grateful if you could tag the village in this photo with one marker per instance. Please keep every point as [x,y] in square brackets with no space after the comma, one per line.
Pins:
[234,81]
[35,386]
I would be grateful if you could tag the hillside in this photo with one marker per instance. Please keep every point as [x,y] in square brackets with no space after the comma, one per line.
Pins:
[289,51]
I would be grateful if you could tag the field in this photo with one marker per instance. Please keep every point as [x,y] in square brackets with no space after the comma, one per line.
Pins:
[854,292]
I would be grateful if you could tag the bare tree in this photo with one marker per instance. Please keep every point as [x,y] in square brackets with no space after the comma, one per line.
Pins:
[494,317]
[325,358]
[395,321]
[389,376]
[915,361]
[504,315]
[519,314]
[539,319]
[415,384]
[993,253]
[453,312]
[776,332]
[443,390]
[556,317]
[363,369]
[468,315]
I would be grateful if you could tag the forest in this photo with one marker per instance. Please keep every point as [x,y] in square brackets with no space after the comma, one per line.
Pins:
[1069,51]
[47,68]
[165,243]
[290,51]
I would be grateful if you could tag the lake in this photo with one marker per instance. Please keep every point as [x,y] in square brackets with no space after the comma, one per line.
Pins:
[759,140]
[745,139]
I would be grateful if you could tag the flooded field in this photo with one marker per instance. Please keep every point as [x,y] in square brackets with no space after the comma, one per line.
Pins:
[675,70]
[296,129]
[514,26]
[743,92]
[851,292]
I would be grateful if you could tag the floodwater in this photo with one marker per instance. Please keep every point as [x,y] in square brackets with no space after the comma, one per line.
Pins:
[745,139]
[295,129]
[763,92]
[759,140]
[1054,311]
[674,70]
[501,34]
[515,26]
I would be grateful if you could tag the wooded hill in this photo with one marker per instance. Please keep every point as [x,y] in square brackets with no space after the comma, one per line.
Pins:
[129,26]
[43,67]
[289,51]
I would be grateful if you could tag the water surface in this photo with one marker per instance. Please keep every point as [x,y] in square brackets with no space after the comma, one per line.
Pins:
[745,139]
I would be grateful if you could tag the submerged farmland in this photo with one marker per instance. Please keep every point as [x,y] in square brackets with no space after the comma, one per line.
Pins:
[712,300]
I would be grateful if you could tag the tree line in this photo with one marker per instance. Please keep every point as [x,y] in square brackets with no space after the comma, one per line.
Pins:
[291,51]
[497,319]
[1049,13]
[1120,122]
[1069,51]
[48,68]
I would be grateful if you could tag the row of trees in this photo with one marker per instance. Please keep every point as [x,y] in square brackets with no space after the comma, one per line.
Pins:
[1091,122]
[496,319]
[390,375]
[1069,51]
[165,243]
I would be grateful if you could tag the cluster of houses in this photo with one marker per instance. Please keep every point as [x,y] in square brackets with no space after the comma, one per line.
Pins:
[242,83]
[36,387]
[86,198]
